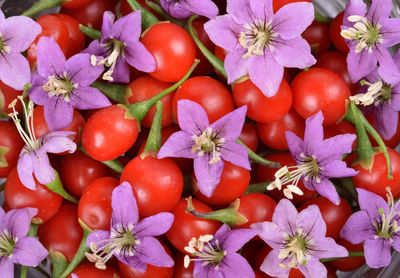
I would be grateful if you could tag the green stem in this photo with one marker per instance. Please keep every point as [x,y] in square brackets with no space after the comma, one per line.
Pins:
[113,164]
[57,187]
[116,92]
[32,233]
[229,215]
[351,254]
[80,253]
[42,5]
[58,262]
[90,32]
[118,9]
[217,63]
[323,19]
[153,143]
[258,159]
[148,18]
[139,110]
[257,187]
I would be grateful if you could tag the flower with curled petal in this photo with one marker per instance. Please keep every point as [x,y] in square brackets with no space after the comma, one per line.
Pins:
[186,8]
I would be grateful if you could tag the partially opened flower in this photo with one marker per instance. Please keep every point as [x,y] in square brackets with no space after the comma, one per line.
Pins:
[209,145]
[216,256]
[16,35]
[317,160]
[119,46]
[261,43]
[298,241]
[383,99]
[186,8]
[368,35]
[130,241]
[60,85]
[376,224]
[15,246]
[33,158]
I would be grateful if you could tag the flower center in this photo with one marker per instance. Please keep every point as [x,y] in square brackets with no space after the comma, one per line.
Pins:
[31,143]
[387,225]
[59,87]
[204,251]
[3,47]
[7,243]
[377,92]
[257,36]
[364,32]
[290,176]
[116,49]
[296,249]
[121,241]
[208,142]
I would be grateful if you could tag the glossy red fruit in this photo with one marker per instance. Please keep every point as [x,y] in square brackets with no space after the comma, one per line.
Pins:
[173,49]
[259,107]
[249,136]
[11,145]
[62,233]
[204,67]
[256,207]
[317,36]
[17,196]
[277,4]
[349,264]
[180,270]
[88,270]
[108,133]
[156,183]
[7,95]
[76,37]
[334,32]
[211,94]
[76,4]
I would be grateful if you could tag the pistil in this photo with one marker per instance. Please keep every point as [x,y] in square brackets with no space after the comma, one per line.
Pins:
[208,142]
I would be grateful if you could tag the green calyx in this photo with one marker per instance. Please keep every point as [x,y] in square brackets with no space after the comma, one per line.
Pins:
[7,244]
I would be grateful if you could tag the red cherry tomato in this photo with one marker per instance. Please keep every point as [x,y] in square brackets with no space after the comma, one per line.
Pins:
[273,134]
[88,270]
[259,107]
[220,53]
[340,128]
[79,170]
[40,126]
[349,264]
[250,250]
[212,95]
[156,183]
[173,49]
[62,233]
[267,174]
[126,8]
[256,207]
[187,226]
[94,207]
[7,95]
[249,136]
[76,4]
[376,180]
[180,270]
[18,196]
[76,37]
[320,89]
[317,36]
[334,32]
[277,4]
[146,87]
[108,133]
[10,139]
[233,183]
[204,67]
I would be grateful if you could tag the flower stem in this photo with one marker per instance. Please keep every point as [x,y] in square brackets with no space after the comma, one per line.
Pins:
[153,143]
[42,5]
[229,215]
[217,63]
[90,32]
[113,164]
[320,18]
[32,233]
[148,18]
[257,187]
[139,110]
[116,92]
[58,263]
[80,254]
[351,254]
[258,159]
[57,187]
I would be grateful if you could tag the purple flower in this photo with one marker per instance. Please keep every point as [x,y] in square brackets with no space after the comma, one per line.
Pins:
[385,98]
[120,46]
[317,161]
[206,143]
[261,43]
[298,240]
[15,246]
[132,242]
[60,85]
[33,157]
[215,255]
[16,34]
[368,35]
[186,8]
[376,224]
